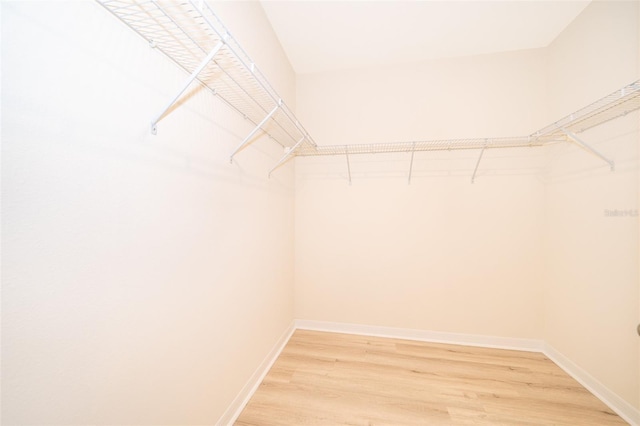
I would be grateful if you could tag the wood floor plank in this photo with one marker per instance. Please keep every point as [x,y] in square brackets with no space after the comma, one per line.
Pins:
[339,379]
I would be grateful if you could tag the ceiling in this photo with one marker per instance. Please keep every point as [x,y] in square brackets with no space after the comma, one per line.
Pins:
[322,36]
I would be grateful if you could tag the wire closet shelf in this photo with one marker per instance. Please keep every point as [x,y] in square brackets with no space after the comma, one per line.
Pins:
[617,104]
[190,34]
[193,37]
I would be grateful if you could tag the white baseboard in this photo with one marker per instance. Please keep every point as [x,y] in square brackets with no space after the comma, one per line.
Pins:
[613,401]
[625,410]
[243,397]
[530,345]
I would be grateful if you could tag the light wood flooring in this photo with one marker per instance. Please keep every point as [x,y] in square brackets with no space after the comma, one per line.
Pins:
[339,379]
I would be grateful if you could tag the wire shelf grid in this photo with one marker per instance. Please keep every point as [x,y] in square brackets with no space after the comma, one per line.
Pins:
[434,145]
[617,104]
[186,32]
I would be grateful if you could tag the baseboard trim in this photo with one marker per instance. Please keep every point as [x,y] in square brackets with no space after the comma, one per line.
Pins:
[612,400]
[243,397]
[530,345]
[625,410]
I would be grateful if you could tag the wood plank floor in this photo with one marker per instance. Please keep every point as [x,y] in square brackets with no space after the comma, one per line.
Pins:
[339,379]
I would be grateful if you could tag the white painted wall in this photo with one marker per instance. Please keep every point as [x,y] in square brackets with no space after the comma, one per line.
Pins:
[591,297]
[144,278]
[524,252]
[440,254]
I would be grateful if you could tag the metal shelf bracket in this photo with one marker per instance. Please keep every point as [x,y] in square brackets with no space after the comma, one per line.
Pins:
[473,178]
[575,139]
[186,84]
[413,151]
[287,156]
[255,130]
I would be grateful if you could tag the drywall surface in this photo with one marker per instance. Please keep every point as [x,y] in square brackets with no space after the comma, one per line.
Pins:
[144,278]
[441,253]
[591,298]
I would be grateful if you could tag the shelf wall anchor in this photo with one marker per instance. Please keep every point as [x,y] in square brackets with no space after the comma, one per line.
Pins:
[573,137]
[255,130]
[286,157]
[473,178]
[187,83]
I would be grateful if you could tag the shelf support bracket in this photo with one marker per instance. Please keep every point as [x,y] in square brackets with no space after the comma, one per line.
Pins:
[573,137]
[186,84]
[286,157]
[413,151]
[473,178]
[255,130]
[346,151]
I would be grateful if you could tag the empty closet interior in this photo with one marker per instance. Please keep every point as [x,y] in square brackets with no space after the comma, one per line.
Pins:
[181,191]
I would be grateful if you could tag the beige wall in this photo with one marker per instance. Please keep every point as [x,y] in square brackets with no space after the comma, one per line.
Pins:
[144,279]
[591,298]
[524,252]
[440,254]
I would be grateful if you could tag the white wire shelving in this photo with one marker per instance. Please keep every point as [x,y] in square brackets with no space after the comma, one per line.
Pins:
[190,34]
[617,104]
